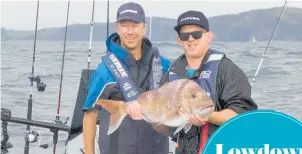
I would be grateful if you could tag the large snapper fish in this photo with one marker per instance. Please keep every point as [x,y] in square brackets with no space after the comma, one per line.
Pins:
[171,105]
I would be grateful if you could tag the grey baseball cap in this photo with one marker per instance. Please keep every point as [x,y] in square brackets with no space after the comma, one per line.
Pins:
[131,11]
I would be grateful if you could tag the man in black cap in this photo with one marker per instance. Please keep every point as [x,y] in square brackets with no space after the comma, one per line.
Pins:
[223,80]
[131,67]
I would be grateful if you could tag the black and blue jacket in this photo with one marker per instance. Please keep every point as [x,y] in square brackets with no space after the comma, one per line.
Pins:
[132,137]
[225,83]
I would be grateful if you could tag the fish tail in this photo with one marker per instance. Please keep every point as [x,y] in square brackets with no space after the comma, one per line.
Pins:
[117,113]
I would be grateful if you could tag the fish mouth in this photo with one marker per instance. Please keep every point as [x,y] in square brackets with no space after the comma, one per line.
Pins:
[208,105]
[206,110]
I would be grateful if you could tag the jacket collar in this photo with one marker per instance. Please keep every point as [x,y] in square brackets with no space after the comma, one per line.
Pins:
[112,44]
[180,65]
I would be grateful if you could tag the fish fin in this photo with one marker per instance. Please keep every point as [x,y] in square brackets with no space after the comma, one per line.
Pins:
[115,121]
[146,118]
[157,124]
[187,127]
[164,84]
[110,105]
[179,129]
[117,113]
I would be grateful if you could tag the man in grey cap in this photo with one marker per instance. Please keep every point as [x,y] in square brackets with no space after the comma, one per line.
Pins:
[131,66]
[223,80]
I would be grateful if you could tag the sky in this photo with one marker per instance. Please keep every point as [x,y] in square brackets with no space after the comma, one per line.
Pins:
[21,15]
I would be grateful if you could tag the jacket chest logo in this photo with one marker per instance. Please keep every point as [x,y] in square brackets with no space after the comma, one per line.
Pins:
[205,74]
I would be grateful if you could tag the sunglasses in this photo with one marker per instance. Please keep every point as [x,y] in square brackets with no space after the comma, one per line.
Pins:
[185,36]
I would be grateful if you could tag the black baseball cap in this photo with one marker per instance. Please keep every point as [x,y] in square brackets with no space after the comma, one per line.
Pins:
[192,18]
[131,11]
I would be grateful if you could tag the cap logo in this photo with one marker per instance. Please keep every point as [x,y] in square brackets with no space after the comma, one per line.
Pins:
[125,11]
[189,18]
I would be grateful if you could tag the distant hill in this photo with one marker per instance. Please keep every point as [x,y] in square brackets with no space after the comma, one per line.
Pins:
[260,24]
[231,27]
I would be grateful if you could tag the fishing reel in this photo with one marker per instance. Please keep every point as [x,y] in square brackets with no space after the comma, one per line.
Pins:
[32,137]
[40,85]
[35,136]
[59,122]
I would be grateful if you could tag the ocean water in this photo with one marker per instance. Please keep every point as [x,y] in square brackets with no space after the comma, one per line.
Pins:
[278,85]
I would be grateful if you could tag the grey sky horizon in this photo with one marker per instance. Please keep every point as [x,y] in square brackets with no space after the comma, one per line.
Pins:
[21,15]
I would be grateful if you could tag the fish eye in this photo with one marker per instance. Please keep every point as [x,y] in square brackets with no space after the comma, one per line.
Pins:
[193,95]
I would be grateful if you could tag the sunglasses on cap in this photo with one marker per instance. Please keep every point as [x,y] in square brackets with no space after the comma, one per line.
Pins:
[185,36]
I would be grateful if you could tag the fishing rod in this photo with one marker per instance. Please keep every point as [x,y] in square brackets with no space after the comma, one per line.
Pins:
[57,121]
[269,42]
[33,136]
[150,32]
[107,18]
[90,41]
[40,86]
[89,51]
